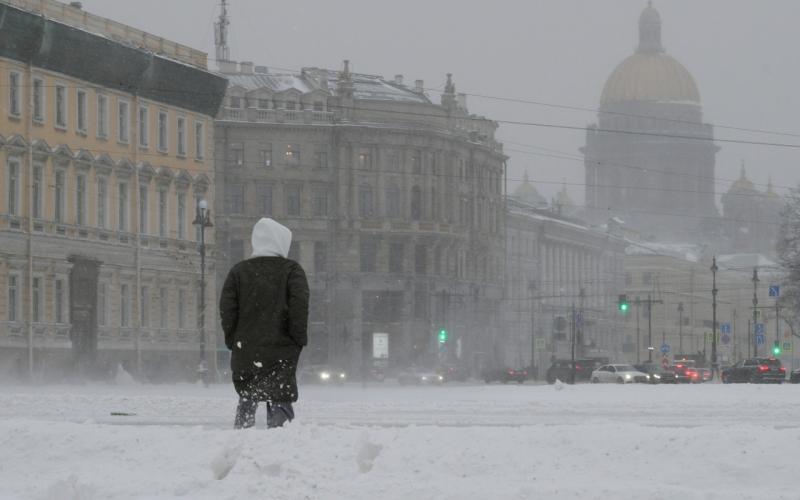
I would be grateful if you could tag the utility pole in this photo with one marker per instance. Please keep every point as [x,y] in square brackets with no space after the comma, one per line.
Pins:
[649,329]
[749,329]
[572,350]
[638,336]
[777,322]
[680,327]
[755,311]
[714,364]
[532,291]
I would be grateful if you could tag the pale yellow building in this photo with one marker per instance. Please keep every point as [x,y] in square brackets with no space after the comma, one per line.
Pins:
[106,147]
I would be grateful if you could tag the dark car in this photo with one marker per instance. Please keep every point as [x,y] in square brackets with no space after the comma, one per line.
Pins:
[685,374]
[419,376]
[795,376]
[453,373]
[321,374]
[657,373]
[755,371]
[505,375]
[704,374]
[561,369]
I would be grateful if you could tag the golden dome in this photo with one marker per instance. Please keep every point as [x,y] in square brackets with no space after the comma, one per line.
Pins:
[650,74]
[743,183]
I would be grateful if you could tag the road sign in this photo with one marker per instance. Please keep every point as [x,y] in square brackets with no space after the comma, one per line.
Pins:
[787,347]
[760,329]
[725,328]
[761,339]
[726,339]
[774,290]
[541,344]
[664,348]
[380,345]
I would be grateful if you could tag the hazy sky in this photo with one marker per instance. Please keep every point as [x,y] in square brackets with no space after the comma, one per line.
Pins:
[742,53]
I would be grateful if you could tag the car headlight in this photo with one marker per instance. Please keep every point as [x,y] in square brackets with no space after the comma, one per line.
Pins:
[342,375]
[628,376]
[325,375]
[424,377]
[441,378]
[657,376]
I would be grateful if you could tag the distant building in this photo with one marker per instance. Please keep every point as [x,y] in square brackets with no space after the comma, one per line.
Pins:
[751,217]
[106,146]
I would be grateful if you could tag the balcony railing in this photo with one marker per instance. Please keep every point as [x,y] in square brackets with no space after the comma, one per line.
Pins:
[277,115]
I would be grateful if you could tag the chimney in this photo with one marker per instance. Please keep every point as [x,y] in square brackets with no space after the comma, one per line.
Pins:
[227,67]
[246,67]
[419,86]
[262,70]
[76,5]
[398,79]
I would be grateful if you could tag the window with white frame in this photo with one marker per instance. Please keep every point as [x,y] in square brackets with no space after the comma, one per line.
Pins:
[266,156]
[162,212]
[144,307]
[59,301]
[162,131]
[199,140]
[102,309]
[144,126]
[181,123]
[80,199]
[13,185]
[143,208]
[125,305]
[102,202]
[123,111]
[181,309]
[37,300]
[122,210]
[38,173]
[61,106]
[162,300]
[14,94]
[81,111]
[38,100]
[58,193]
[13,297]
[102,116]
[181,216]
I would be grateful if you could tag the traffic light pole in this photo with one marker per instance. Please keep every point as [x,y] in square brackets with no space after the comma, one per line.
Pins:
[714,363]
[755,311]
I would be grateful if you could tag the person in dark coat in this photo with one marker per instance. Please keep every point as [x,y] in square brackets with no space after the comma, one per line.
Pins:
[264,311]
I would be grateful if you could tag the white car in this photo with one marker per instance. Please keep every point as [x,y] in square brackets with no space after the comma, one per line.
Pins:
[620,374]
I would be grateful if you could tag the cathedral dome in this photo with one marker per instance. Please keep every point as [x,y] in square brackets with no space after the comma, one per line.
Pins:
[527,193]
[650,75]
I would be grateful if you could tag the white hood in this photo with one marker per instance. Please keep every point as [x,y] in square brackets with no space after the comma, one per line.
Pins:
[271,239]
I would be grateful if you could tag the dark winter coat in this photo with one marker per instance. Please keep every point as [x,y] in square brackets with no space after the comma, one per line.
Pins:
[264,311]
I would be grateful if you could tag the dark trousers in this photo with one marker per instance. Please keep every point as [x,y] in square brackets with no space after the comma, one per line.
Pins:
[277,414]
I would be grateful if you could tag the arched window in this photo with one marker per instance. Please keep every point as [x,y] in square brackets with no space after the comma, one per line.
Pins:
[392,202]
[416,203]
[366,205]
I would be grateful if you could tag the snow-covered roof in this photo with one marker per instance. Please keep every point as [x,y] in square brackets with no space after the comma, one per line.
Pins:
[689,252]
[745,261]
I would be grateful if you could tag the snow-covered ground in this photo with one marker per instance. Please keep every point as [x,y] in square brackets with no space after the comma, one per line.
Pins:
[389,442]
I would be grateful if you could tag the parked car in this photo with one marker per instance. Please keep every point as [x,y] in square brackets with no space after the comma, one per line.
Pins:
[794,378]
[755,371]
[561,369]
[321,374]
[704,374]
[685,374]
[419,376]
[621,374]
[657,374]
[453,373]
[505,375]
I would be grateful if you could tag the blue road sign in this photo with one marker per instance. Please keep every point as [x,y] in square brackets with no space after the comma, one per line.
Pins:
[761,339]
[759,328]
[664,348]
[725,328]
[774,290]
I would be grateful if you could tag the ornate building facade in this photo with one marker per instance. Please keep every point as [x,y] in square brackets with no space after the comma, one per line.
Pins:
[105,148]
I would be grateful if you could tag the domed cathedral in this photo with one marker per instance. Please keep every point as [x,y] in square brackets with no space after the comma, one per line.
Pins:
[650,158]
[750,223]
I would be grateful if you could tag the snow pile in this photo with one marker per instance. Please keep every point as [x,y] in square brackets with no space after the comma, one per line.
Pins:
[122,377]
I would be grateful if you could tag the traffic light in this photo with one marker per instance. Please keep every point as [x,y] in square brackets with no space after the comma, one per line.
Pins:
[623,304]
[442,336]
[776,348]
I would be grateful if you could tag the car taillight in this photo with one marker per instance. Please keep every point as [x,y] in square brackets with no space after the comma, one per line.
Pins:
[511,372]
[763,368]
[526,372]
[783,370]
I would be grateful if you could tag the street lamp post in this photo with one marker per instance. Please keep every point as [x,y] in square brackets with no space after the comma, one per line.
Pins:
[714,364]
[203,220]
[680,327]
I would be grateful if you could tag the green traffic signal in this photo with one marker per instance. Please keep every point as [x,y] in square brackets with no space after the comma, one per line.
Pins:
[623,307]
[623,304]
[442,336]
[776,349]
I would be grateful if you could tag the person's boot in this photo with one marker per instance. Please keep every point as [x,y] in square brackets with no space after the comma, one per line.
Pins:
[278,414]
[245,414]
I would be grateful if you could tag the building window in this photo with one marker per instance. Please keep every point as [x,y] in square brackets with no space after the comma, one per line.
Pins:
[38,172]
[416,203]
[420,259]
[144,307]
[143,209]
[292,154]
[38,100]
[163,304]
[266,157]
[236,251]
[144,126]
[234,198]
[162,131]
[321,159]
[294,251]
[647,278]
[290,105]
[365,161]
[61,106]
[319,203]
[59,196]
[293,206]
[199,140]
[236,156]
[421,303]
[181,136]
[162,213]
[236,102]
[13,186]
[13,297]
[368,255]
[263,104]
[81,111]
[366,206]
[320,257]
[393,201]
[396,257]
[319,106]
[80,200]
[393,159]
[102,314]
[123,207]
[102,116]
[59,302]
[181,216]
[181,309]
[14,101]
[125,306]
[102,199]
[124,120]
[416,162]
[37,300]
[265,199]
